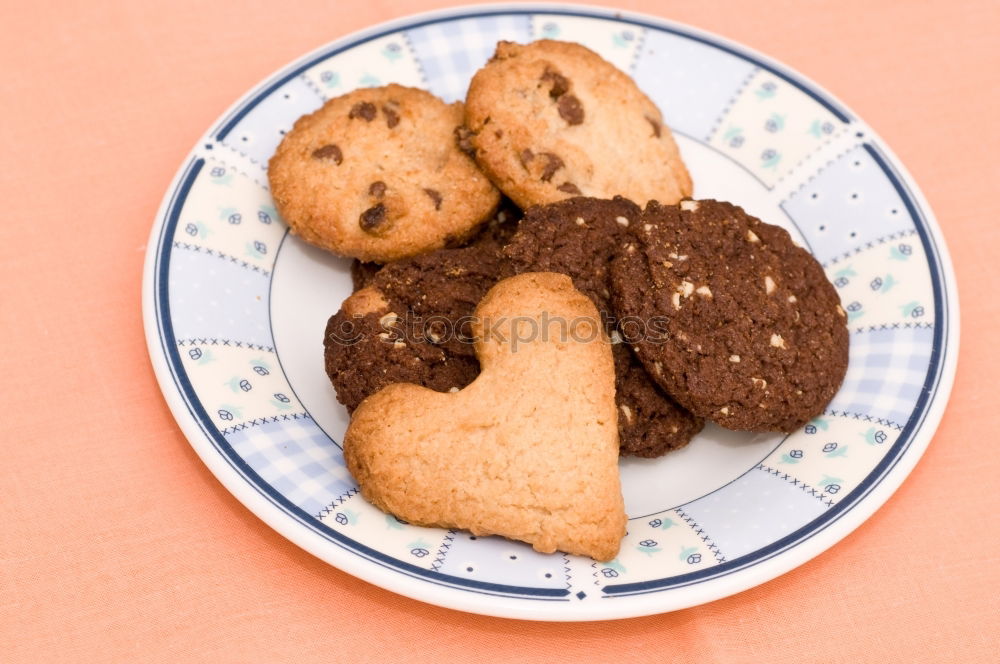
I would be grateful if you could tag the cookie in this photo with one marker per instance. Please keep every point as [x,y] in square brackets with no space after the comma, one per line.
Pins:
[362,273]
[650,423]
[501,226]
[733,320]
[406,324]
[579,237]
[498,230]
[375,175]
[550,120]
[528,451]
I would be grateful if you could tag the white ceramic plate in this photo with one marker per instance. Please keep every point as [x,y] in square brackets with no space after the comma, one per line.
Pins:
[235,307]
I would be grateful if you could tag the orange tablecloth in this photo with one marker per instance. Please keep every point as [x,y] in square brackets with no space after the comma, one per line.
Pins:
[117,544]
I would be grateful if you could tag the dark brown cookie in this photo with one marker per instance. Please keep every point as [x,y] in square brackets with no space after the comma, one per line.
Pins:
[579,237]
[650,423]
[497,231]
[732,319]
[362,273]
[501,226]
[406,325]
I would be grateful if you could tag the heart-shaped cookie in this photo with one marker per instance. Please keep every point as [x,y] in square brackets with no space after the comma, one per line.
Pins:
[529,450]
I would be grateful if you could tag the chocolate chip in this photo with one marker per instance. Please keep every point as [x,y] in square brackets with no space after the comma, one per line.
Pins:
[498,133]
[364,110]
[391,116]
[526,156]
[553,163]
[372,218]
[463,139]
[560,84]
[570,109]
[569,188]
[329,152]
[377,189]
[434,196]
[656,126]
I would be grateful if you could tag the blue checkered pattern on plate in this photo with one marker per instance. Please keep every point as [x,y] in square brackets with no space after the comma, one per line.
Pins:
[297,459]
[450,52]
[887,371]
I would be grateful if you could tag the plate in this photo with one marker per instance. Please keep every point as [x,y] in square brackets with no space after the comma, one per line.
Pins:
[234,310]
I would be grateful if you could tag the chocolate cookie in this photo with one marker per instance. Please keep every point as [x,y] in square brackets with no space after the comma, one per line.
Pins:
[579,237]
[501,226]
[550,120]
[375,174]
[362,273]
[650,423]
[406,325]
[497,231]
[732,319]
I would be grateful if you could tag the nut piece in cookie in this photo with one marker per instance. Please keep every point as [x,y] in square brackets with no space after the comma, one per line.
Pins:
[528,451]
[551,119]
[375,174]
[747,330]
[579,237]
[408,323]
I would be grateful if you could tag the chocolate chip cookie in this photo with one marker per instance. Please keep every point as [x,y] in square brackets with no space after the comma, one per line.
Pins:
[550,120]
[409,324]
[579,237]
[375,174]
[733,320]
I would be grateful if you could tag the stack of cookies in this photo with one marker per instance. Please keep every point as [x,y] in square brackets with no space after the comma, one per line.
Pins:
[555,188]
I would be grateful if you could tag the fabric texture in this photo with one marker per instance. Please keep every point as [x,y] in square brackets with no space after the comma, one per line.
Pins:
[118,544]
